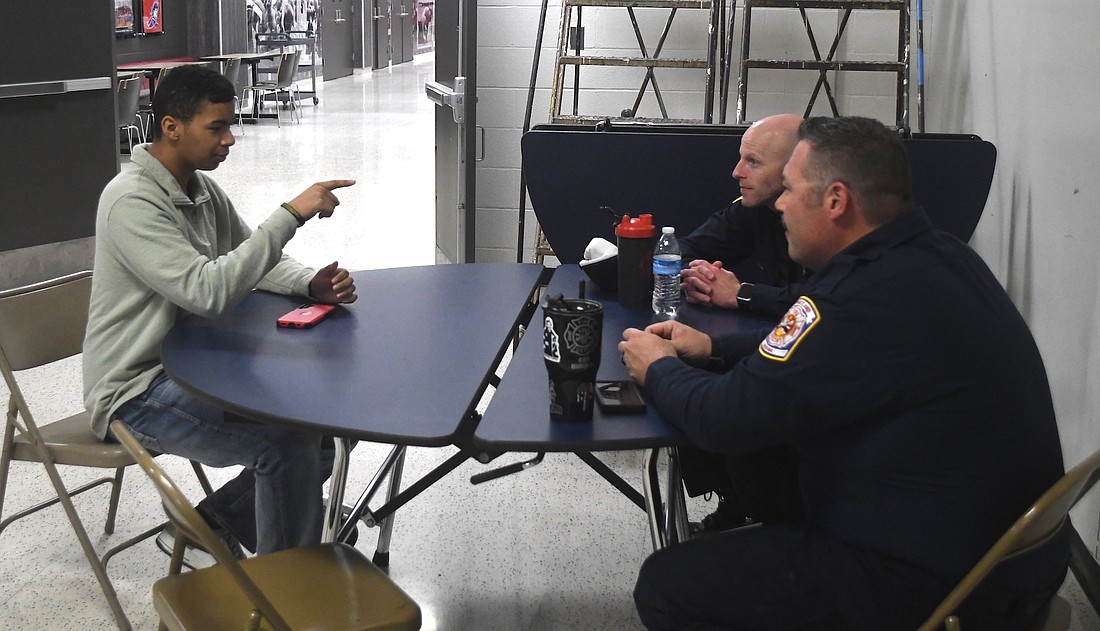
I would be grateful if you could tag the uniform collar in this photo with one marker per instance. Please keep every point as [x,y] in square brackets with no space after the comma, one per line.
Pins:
[872,245]
[162,176]
[885,237]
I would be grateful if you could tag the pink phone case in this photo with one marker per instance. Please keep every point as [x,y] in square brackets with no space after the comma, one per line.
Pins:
[304,316]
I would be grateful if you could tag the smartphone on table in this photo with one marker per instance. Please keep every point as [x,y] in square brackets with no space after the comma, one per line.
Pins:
[619,397]
[304,316]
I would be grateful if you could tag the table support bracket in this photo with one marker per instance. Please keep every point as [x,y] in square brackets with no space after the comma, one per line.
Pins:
[361,509]
[417,488]
[500,472]
[616,481]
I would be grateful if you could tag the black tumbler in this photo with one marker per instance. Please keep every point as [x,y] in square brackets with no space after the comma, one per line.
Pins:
[572,332]
[636,238]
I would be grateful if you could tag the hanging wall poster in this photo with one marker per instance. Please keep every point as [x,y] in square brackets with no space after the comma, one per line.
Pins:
[124,17]
[151,16]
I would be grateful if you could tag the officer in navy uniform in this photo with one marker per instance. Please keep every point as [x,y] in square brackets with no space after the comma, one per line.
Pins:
[738,260]
[914,394]
[738,257]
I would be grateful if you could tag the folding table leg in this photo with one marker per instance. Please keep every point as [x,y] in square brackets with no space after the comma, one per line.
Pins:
[337,481]
[651,484]
[676,526]
[668,518]
[382,549]
[361,510]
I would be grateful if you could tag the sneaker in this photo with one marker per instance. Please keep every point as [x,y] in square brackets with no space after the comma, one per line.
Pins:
[194,556]
[725,517]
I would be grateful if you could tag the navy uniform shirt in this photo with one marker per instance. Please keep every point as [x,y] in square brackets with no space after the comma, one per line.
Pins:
[751,242]
[913,391]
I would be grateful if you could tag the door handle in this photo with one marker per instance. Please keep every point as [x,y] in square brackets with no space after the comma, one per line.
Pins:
[454,98]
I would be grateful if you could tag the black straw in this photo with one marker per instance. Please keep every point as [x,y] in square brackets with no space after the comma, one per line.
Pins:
[555,301]
[581,289]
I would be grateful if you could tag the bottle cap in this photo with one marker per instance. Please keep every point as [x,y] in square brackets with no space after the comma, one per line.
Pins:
[668,230]
[640,227]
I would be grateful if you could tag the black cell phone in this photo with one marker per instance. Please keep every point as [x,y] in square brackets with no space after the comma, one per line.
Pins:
[619,397]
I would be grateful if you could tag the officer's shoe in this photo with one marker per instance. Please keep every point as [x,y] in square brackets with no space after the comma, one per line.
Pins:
[353,536]
[725,517]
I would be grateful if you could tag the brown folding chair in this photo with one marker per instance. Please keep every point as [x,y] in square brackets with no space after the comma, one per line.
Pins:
[1041,522]
[325,586]
[41,324]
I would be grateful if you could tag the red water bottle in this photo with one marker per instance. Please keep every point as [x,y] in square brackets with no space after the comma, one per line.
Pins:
[636,238]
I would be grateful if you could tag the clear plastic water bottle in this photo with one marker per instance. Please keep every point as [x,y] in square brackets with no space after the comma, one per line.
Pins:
[666,274]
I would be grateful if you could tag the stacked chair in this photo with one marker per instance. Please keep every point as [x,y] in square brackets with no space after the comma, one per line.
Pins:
[232,71]
[127,99]
[285,74]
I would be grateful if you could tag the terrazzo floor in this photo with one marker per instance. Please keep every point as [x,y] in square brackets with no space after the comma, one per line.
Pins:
[551,548]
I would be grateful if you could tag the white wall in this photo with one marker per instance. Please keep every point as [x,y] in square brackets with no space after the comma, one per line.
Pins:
[1023,76]
[1026,78]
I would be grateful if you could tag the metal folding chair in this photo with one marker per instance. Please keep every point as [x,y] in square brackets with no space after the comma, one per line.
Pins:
[1038,524]
[326,586]
[41,324]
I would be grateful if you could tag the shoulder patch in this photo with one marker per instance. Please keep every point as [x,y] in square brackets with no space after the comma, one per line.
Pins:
[795,324]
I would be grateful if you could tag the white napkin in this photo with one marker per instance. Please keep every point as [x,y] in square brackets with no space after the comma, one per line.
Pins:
[599,250]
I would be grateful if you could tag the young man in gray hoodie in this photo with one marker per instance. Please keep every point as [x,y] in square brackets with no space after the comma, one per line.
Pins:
[168,244]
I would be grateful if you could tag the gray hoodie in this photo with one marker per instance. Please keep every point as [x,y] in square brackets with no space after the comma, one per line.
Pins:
[160,255]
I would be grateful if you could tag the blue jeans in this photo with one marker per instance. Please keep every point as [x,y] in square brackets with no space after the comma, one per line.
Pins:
[275,503]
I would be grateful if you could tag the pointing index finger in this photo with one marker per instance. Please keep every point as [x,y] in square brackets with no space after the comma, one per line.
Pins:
[335,184]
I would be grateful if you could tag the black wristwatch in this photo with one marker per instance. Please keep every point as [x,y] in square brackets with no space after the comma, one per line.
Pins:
[744,296]
[715,363]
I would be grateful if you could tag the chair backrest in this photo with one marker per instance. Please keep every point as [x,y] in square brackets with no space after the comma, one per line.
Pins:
[232,71]
[129,96]
[288,68]
[191,525]
[1041,522]
[44,322]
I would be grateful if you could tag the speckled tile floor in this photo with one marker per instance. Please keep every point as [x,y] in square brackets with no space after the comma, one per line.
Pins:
[551,548]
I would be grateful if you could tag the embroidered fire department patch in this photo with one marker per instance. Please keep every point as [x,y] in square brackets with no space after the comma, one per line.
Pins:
[796,323]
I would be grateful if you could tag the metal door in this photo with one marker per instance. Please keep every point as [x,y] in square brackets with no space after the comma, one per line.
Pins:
[455,78]
[381,18]
[336,20]
[404,30]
